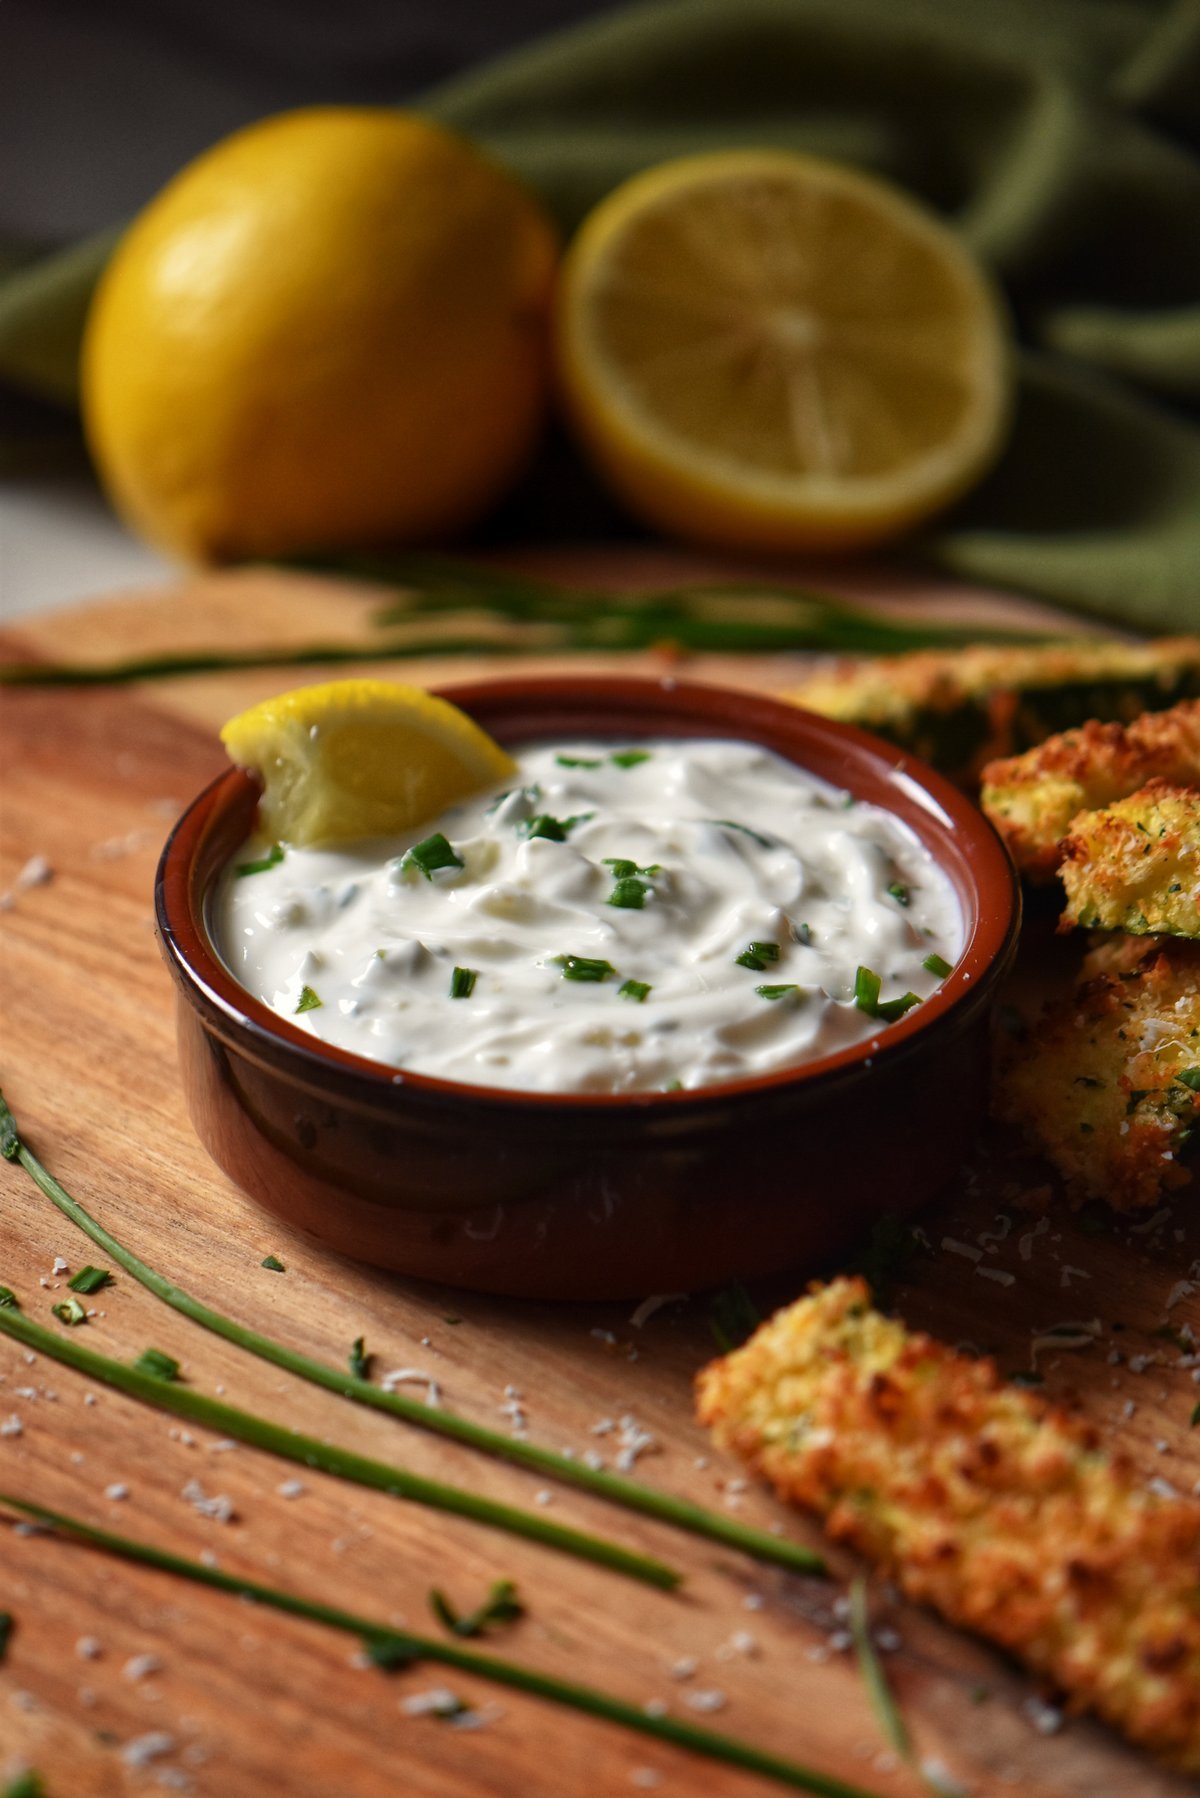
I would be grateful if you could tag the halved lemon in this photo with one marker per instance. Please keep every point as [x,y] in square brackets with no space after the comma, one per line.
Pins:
[769,352]
[359,758]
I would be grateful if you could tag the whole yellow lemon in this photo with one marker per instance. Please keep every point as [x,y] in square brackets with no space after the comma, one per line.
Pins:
[330,329]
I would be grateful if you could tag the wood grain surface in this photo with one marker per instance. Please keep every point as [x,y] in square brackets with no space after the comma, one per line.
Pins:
[243,1702]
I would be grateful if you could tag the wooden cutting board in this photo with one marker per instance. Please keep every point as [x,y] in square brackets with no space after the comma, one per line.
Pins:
[248,1702]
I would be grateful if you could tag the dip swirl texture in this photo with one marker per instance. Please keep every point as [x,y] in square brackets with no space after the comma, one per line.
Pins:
[628,917]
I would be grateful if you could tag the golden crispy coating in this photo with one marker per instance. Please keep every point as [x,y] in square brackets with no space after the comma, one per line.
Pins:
[1032,798]
[1103,1084]
[1136,865]
[962,708]
[980,1500]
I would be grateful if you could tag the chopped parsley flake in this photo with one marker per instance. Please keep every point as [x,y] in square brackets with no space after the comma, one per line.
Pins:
[634,989]
[579,967]
[271,859]
[462,982]
[430,855]
[309,1001]
[89,1279]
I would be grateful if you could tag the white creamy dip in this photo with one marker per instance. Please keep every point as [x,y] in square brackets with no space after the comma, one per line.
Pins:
[703,918]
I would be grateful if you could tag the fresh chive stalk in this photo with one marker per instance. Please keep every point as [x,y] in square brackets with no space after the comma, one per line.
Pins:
[160,1391]
[630,1494]
[887,1713]
[438,604]
[404,1648]
[462,982]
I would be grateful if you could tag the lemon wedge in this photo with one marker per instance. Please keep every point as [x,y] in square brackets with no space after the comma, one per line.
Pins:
[766,351]
[359,758]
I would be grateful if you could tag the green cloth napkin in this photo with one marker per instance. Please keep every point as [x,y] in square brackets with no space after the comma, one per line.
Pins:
[1061,137]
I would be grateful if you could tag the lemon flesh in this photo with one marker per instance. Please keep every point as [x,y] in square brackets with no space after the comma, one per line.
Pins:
[330,329]
[767,351]
[359,758]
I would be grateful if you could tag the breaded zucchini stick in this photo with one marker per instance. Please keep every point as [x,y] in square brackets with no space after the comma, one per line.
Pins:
[1033,798]
[978,1499]
[1136,865]
[1108,1084]
[960,709]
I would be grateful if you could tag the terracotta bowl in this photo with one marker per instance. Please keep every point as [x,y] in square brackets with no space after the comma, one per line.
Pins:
[597,1195]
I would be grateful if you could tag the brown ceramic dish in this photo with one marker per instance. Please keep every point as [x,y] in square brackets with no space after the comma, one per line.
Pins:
[591,1196]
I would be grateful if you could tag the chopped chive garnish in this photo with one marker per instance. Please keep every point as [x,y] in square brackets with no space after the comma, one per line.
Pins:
[804,935]
[578,761]
[271,859]
[579,967]
[309,1001]
[8,1299]
[622,868]
[6,1630]
[70,1312]
[899,892]
[434,853]
[1189,1077]
[156,1365]
[745,830]
[937,964]
[462,982]
[757,956]
[629,894]
[273,1263]
[500,1606]
[775,992]
[360,1361]
[866,990]
[866,996]
[553,829]
[892,1009]
[1195,1419]
[89,1279]
[634,989]
[629,758]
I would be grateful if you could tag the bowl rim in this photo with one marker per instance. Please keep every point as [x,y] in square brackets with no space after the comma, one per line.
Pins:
[181,915]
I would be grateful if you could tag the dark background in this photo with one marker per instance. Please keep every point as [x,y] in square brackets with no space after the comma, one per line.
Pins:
[102,100]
